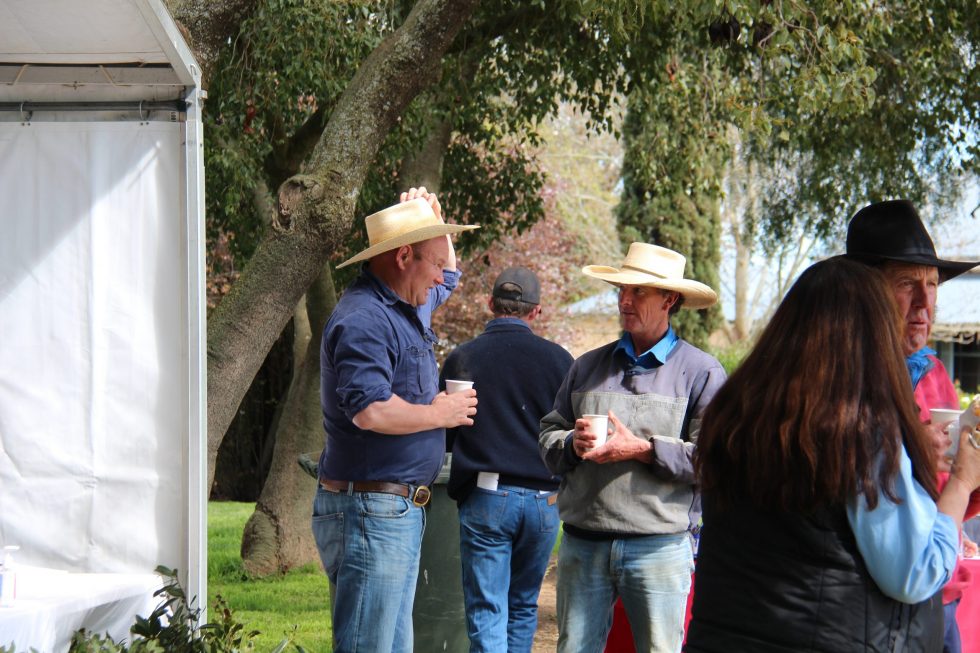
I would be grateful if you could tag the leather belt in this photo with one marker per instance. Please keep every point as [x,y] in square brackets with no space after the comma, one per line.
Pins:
[419,495]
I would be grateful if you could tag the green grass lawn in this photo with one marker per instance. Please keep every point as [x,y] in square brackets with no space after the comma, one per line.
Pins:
[293,605]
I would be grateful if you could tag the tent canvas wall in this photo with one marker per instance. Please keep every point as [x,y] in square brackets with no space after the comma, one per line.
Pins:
[102,336]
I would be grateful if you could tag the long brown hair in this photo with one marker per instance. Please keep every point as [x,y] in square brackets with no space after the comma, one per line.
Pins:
[821,400]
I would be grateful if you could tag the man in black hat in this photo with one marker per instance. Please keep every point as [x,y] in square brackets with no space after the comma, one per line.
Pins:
[508,512]
[891,236]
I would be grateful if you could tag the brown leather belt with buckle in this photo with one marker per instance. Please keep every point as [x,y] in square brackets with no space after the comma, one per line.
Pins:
[418,495]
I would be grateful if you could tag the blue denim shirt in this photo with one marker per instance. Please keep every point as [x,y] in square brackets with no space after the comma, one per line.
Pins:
[375,345]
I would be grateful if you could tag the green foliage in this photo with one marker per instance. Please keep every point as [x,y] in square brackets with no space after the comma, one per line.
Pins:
[731,356]
[888,109]
[857,101]
[671,186]
[173,627]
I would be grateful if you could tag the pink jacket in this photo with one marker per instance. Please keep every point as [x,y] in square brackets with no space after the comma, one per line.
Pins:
[935,390]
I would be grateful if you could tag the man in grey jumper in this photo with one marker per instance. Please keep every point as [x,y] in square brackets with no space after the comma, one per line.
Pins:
[628,504]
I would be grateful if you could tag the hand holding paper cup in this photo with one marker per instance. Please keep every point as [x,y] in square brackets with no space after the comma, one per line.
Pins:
[941,417]
[454,385]
[599,424]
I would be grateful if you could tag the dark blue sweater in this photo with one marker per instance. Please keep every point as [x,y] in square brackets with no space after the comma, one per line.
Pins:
[516,375]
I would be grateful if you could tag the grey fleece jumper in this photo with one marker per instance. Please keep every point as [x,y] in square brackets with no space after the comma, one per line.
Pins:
[663,405]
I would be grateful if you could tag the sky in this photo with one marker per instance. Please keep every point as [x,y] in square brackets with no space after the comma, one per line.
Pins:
[956,237]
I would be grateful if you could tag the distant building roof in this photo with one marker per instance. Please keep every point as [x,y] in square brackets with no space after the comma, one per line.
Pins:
[602,303]
[958,309]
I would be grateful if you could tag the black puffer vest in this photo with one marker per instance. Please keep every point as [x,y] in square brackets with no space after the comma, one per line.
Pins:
[769,582]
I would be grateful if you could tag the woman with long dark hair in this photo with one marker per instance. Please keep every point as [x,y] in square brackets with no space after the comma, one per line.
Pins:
[823,527]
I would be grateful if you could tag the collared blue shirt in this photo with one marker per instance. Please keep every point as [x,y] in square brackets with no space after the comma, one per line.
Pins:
[654,356]
[375,345]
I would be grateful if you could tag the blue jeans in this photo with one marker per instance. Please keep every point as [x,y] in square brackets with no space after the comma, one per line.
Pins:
[505,539]
[369,544]
[651,574]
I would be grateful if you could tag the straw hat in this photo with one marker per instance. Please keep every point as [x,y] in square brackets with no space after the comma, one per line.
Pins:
[656,267]
[406,223]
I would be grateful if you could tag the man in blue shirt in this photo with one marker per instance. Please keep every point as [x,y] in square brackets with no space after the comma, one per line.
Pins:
[385,424]
[508,512]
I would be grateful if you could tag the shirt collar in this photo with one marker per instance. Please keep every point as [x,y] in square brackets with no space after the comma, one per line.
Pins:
[384,291]
[507,321]
[919,364]
[652,357]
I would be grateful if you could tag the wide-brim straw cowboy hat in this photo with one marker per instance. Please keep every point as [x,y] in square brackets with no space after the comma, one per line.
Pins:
[403,224]
[655,267]
[893,231]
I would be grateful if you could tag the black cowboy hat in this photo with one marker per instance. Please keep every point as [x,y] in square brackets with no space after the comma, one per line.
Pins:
[893,231]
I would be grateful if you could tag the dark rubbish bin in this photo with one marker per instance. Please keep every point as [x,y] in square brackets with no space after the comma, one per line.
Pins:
[439,615]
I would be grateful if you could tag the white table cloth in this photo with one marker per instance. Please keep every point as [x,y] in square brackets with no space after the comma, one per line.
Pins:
[51,605]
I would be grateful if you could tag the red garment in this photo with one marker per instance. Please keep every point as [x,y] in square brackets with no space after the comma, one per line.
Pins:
[961,575]
[953,591]
[935,390]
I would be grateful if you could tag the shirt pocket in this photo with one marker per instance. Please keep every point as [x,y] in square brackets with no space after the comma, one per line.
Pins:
[418,377]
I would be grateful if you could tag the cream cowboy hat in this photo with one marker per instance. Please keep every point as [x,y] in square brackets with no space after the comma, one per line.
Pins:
[403,224]
[656,267]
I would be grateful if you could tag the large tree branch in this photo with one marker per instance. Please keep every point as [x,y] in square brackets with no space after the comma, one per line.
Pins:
[316,210]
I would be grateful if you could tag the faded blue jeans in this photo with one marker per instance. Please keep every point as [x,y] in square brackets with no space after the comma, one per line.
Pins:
[369,544]
[505,539]
[651,574]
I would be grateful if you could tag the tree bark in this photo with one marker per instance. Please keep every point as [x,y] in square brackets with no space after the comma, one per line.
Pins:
[277,536]
[425,168]
[315,210]
[208,25]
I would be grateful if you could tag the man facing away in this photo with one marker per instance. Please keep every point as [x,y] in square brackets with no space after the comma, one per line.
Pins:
[385,425]
[628,505]
[508,517]
[890,235]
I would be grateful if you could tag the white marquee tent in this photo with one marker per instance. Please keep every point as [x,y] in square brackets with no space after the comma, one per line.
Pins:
[102,367]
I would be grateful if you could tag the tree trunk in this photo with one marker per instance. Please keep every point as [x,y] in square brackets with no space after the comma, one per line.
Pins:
[425,168]
[316,210]
[277,536]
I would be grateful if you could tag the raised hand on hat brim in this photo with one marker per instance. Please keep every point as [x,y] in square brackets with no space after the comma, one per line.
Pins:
[421,192]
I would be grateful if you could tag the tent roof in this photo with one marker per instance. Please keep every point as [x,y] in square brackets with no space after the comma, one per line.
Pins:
[92,51]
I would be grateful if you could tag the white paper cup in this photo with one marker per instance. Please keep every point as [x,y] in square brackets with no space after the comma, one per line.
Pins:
[453,386]
[600,426]
[940,416]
